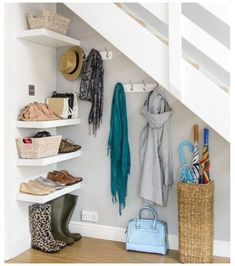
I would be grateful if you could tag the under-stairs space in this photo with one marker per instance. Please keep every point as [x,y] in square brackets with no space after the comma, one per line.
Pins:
[104,100]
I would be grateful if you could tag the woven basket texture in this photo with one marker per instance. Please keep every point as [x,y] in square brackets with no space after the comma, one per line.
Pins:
[50,21]
[195,220]
[39,148]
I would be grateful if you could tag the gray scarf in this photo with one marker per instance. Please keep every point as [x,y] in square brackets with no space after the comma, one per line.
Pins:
[92,87]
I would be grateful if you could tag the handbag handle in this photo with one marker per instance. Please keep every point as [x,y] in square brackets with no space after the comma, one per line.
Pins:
[154,213]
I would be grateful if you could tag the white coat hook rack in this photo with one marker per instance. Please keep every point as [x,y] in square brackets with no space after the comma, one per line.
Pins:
[106,55]
[144,86]
[139,87]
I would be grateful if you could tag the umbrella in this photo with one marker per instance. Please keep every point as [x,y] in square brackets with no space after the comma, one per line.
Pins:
[186,172]
[195,161]
[205,163]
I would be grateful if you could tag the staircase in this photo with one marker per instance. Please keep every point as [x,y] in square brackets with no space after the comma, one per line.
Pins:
[167,43]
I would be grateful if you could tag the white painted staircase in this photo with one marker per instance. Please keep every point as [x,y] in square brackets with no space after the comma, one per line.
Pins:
[163,60]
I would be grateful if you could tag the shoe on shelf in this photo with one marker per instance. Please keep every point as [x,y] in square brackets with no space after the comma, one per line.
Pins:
[66,145]
[45,181]
[36,184]
[29,189]
[76,179]
[60,178]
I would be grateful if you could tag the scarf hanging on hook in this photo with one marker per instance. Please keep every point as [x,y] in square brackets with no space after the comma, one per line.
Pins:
[92,88]
[118,147]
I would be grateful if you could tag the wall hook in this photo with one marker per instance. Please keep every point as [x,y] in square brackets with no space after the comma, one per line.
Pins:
[107,52]
[159,87]
[131,86]
[144,86]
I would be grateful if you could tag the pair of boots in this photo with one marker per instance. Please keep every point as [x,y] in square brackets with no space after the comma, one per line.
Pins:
[49,224]
[62,211]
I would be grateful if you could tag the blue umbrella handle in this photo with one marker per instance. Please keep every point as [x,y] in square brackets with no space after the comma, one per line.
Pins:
[181,150]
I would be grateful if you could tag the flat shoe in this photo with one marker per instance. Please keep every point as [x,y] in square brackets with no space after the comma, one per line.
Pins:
[26,188]
[49,183]
[36,184]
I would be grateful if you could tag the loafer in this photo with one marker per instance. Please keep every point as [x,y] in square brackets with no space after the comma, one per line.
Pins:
[76,179]
[60,178]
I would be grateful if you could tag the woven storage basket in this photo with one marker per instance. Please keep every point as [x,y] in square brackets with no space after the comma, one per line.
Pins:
[40,147]
[50,21]
[195,217]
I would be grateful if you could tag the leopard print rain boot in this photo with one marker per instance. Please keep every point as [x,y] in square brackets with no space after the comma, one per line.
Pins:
[40,227]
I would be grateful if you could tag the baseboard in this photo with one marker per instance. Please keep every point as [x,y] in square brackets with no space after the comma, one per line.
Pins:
[221,248]
[18,248]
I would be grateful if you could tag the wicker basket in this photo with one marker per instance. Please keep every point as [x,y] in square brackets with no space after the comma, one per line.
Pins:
[50,21]
[195,217]
[40,147]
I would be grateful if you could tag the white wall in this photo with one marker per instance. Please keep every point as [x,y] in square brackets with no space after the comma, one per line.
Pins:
[94,165]
[25,63]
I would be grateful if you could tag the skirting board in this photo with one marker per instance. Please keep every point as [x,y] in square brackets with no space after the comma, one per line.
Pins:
[221,248]
[18,248]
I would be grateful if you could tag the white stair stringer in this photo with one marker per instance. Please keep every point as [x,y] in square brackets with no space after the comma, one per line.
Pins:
[197,92]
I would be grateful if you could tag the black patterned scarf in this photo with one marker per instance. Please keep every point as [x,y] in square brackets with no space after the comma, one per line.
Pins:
[92,87]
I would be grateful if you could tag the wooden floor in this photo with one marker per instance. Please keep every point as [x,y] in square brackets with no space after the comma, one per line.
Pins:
[89,250]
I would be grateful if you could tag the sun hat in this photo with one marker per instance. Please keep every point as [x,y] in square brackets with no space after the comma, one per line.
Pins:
[71,62]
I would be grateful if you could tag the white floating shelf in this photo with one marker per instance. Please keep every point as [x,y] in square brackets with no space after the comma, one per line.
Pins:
[47,124]
[42,199]
[48,38]
[48,160]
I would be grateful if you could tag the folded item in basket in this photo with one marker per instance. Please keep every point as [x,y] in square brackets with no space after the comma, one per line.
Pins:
[42,134]
[37,112]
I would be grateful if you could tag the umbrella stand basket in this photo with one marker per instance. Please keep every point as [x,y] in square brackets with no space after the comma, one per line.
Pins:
[195,219]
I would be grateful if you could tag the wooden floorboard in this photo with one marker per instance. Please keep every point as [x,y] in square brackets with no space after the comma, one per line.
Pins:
[90,250]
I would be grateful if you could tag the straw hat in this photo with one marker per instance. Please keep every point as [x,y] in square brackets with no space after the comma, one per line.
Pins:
[71,62]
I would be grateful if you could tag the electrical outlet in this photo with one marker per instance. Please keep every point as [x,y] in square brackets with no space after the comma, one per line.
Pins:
[31,90]
[89,216]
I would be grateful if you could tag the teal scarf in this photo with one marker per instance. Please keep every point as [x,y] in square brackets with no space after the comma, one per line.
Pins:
[118,147]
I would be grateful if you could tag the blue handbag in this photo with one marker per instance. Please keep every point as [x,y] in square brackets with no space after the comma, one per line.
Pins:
[147,235]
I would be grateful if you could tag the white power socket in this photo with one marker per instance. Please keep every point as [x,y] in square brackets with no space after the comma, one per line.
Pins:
[90,216]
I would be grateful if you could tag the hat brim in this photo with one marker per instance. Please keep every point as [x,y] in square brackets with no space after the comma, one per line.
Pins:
[76,73]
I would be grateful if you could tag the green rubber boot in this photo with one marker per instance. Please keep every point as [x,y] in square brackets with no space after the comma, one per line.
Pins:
[69,206]
[56,220]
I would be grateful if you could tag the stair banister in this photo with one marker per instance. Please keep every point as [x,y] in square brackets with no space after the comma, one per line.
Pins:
[175,48]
